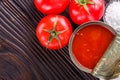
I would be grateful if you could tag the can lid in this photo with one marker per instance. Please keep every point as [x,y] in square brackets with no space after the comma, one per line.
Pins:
[109,65]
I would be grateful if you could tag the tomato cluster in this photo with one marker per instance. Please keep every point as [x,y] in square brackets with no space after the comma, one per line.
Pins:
[54,30]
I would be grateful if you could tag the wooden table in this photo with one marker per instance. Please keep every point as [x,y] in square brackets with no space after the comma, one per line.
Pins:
[21,55]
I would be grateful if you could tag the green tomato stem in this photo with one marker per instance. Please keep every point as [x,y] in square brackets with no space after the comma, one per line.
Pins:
[84,4]
[54,34]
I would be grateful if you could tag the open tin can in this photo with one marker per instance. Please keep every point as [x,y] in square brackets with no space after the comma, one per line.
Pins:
[108,66]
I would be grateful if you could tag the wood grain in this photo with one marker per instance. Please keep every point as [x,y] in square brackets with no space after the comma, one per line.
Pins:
[21,55]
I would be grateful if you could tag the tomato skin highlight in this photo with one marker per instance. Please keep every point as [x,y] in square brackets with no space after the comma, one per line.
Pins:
[62,25]
[51,6]
[79,15]
[90,43]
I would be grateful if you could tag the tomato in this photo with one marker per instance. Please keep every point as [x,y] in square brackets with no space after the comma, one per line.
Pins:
[54,31]
[82,11]
[51,6]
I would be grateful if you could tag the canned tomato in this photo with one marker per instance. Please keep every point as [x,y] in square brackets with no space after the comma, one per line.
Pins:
[94,47]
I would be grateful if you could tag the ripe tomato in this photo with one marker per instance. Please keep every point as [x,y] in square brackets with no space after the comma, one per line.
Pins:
[54,31]
[51,6]
[86,10]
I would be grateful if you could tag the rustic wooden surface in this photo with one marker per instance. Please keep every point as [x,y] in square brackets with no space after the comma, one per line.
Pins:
[21,55]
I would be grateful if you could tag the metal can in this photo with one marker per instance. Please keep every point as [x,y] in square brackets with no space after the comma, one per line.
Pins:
[108,66]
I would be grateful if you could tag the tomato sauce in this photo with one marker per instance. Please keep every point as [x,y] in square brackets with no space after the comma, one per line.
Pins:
[90,43]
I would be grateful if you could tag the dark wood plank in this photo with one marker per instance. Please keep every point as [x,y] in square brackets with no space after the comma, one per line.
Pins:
[21,55]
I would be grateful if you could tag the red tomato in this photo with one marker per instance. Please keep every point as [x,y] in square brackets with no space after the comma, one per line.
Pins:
[51,6]
[86,10]
[54,31]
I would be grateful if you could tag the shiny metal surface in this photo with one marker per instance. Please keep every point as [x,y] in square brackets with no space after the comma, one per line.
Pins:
[109,65]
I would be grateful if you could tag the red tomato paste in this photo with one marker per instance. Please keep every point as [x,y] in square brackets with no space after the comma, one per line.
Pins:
[90,43]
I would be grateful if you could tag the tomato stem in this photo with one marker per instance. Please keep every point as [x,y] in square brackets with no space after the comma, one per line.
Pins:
[54,33]
[55,23]
[84,4]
